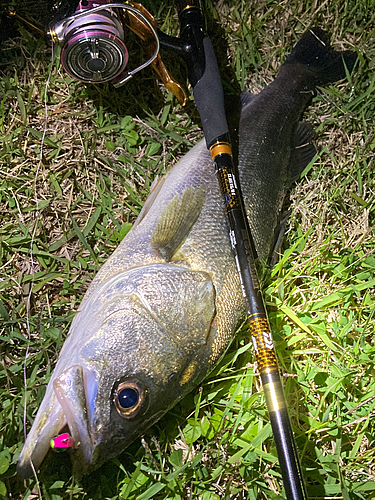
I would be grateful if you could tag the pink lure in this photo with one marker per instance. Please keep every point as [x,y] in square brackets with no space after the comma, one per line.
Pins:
[62,441]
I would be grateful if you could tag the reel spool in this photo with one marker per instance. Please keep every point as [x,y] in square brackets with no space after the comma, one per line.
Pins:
[94,50]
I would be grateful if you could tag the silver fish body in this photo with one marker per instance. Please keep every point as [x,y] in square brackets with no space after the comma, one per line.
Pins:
[164,307]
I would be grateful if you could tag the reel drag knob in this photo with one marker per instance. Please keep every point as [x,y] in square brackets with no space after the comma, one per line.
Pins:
[94,50]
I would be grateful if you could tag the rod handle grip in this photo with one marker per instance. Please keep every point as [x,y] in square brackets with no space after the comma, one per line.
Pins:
[209,97]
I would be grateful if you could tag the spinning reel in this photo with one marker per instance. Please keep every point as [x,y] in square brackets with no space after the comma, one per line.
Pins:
[93,42]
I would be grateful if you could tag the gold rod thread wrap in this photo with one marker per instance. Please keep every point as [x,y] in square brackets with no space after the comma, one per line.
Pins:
[220,148]
[263,343]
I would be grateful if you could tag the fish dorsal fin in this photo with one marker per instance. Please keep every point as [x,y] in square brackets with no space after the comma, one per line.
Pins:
[246,97]
[303,151]
[154,191]
[177,220]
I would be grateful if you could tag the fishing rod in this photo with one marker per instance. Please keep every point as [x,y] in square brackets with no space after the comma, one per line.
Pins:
[205,79]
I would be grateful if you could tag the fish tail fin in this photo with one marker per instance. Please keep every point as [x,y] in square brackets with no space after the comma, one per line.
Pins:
[325,65]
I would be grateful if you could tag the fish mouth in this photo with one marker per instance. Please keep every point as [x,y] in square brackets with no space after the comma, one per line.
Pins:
[66,404]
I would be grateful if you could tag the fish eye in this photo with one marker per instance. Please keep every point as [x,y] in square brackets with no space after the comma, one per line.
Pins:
[129,398]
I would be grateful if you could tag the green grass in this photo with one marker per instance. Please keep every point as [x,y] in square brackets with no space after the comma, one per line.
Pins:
[102,150]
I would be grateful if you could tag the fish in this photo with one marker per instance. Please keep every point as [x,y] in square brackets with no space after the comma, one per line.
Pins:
[164,307]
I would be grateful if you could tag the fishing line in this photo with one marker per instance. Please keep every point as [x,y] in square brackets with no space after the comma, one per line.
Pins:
[36,480]
[32,264]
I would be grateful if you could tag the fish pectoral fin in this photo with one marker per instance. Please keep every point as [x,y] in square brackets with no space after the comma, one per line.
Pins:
[177,220]
[246,97]
[304,149]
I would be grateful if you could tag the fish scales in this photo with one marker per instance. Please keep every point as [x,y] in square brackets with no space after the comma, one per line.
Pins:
[205,248]
[163,308]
